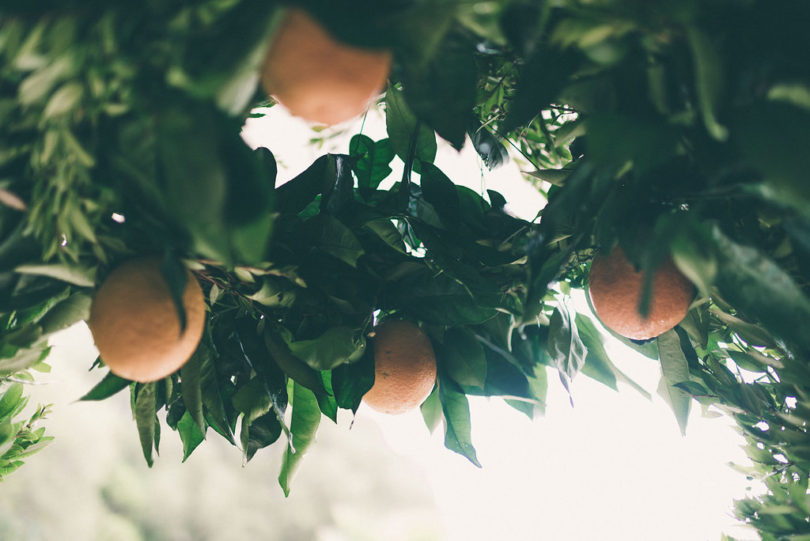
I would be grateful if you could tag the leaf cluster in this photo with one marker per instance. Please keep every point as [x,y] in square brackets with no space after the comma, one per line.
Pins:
[672,128]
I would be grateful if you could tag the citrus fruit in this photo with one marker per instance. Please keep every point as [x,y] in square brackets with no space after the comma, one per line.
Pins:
[317,77]
[615,288]
[404,367]
[135,325]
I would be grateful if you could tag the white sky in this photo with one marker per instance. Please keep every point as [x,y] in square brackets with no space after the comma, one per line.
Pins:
[614,467]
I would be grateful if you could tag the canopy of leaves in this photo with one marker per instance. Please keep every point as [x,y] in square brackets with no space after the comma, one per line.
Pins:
[677,129]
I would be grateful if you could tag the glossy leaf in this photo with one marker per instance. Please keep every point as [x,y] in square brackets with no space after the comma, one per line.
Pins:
[189,434]
[306,416]
[351,381]
[107,387]
[373,159]
[402,128]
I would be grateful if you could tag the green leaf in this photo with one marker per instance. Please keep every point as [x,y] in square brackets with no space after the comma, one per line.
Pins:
[23,336]
[336,346]
[709,80]
[402,125]
[291,365]
[212,397]
[747,361]
[306,416]
[597,363]
[463,357]
[34,448]
[351,381]
[387,232]
[72,274]
[191,385]
[275,292]
[431,410]
[761,289]
[190,434]
[373,159]
[10,400]
[254,349]
[67,312]
[327,401]
[443,92]
[145,418]
[64,100]
[770,151]
[194,174]
[440,192]
[23,359]
[254,401]
[565,347]
[614,140]
[441,300]
[176,277]
[334,238]
[108,386]
[7,432]
[542,78]
[674,369]
[261,432]
[319,178]
[648,348]
[457,428]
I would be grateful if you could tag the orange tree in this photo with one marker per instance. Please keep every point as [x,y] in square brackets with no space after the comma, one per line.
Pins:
[674,129]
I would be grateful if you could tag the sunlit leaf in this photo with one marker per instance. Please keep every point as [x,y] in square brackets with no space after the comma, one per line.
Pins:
[306,416]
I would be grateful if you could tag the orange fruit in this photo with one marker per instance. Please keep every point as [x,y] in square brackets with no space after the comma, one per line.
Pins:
[317,77]
[404,367]
[135,325]
[616,287]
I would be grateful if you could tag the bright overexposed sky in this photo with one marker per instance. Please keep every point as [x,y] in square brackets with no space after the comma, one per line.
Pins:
[613,467]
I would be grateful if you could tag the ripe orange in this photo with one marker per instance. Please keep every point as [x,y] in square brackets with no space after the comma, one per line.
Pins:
[135,325]
[404,367]
[317,77]
[616,288]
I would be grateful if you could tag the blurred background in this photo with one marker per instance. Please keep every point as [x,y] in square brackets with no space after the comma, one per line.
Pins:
[613,466]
